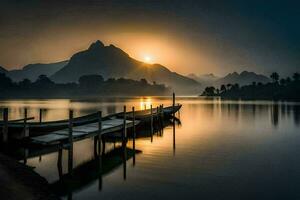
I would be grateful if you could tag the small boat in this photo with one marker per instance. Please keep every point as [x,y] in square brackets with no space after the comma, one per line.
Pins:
[37,128]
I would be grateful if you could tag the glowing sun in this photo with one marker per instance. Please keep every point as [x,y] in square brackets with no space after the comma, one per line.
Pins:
[147,59]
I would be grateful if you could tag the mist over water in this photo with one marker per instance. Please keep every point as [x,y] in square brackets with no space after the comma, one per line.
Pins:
[222,150]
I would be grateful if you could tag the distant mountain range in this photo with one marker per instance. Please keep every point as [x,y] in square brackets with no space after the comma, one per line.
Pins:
[204,79]
[32,71]
[2,70]
[112,62]
[243,78]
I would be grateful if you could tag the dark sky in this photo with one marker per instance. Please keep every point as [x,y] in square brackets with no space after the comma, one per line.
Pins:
[186,36]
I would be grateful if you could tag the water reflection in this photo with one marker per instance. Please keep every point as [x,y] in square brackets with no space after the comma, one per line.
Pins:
[212,147]
[275,114]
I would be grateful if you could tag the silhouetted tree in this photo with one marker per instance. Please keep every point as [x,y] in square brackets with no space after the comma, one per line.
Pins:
[275,77]
[296,76]
[288,80]
[144,81]
[5,82]
[25,83]
[90,81]
[282,81]
[229,86]
[209,91]
[236,86]
[223,88]
[43,81]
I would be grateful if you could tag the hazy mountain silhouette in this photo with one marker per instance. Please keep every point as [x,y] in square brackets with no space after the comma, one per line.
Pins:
[2,70]
[204,79]
[244,78]
[32,71]
[112,62]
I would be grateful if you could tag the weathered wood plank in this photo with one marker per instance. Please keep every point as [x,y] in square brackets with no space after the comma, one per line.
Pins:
[82,132]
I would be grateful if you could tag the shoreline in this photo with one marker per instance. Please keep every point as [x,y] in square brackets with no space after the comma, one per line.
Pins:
[19,181]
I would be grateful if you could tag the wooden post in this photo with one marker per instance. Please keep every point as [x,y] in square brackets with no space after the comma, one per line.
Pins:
[95,147]
[124,133]
[157,117]
[145,107]
[41,115]
[174,138]
[99,131]
[59,162]
[162,114]
[133,135]
[178,112]
[173,104]
[5,125]
[151,123]
[124,136]
[70,156]
[25,155]
[124,162]
[99,149]
[26,131]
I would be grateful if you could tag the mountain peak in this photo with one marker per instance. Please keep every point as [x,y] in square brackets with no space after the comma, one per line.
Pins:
[96,45]
[2,70]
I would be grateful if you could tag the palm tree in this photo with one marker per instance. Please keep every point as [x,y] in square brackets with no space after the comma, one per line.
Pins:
[296,76]
[209,91]
[282,81]
[236,86]
[229,86]
[275,77]
[223,88]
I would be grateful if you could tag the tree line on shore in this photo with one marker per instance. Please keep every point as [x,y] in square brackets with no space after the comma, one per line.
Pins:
[279,89]
[88,85]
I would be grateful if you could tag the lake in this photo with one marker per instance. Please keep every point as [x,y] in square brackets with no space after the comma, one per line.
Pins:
[220,150]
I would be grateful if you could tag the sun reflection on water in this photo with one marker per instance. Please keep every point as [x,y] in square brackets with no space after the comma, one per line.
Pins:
[145,103]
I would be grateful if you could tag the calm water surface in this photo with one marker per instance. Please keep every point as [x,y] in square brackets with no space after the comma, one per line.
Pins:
[222,150]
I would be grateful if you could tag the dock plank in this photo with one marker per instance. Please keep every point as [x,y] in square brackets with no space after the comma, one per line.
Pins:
[84,131]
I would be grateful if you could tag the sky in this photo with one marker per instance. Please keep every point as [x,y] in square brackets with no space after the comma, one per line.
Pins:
[186,36]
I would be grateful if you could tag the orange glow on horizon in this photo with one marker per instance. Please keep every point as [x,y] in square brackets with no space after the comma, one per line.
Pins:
[145,103]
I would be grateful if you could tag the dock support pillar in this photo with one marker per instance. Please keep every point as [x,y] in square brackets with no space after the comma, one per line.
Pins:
[70,152]
[41,116]
[99,131]
[124,133]
[59,162]
[26,129]
[25,155]
[99,149]
[174,137]
[133,134]
[162,115]
[173,105]
[157,118]
[124,136]
[5,125]
[151,123]
[95,147]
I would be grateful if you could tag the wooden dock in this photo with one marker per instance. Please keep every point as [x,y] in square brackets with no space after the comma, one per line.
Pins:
[84,131]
